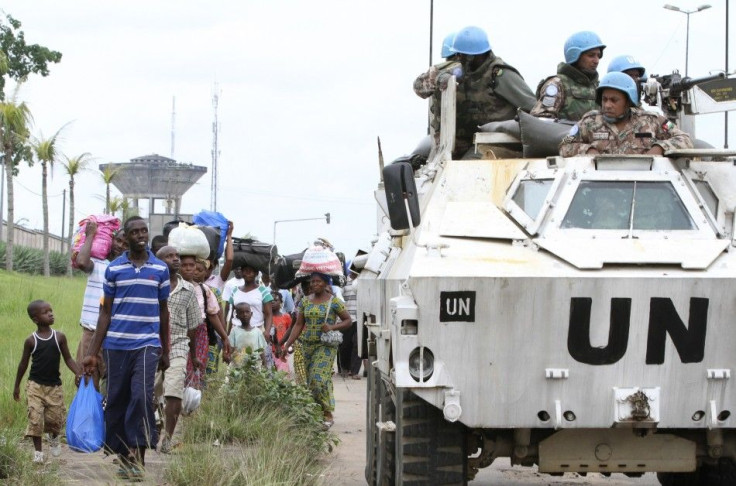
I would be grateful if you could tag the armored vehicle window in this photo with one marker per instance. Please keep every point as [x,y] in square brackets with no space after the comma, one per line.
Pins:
[709,197]
[609,205]
[531,194]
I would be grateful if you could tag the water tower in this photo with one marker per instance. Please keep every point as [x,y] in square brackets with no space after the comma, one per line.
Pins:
[155,177]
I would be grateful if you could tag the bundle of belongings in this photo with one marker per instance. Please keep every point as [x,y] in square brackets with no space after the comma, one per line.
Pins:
[107,225]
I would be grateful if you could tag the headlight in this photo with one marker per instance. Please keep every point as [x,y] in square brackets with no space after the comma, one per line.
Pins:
[421,364]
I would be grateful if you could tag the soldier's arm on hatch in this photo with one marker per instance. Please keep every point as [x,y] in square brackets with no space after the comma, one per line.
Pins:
[575,142]
[669,137]
[551,100]
[512,87]
[426,83]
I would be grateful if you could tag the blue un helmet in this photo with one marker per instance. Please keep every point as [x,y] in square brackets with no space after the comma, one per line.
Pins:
[447,45]
[624,63]
[580,42]
[471,41]
[620,81]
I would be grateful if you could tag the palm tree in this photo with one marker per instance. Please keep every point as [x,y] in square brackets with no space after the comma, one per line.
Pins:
[73,166]
[127,209]
[114,205]
[108,176]
[14,120]
[45,151]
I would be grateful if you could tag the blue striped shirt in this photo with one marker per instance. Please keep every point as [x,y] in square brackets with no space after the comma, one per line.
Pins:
[136,293]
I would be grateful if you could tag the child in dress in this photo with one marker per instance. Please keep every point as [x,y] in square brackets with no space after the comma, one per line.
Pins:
[44,392]
[281,324]
[246,338]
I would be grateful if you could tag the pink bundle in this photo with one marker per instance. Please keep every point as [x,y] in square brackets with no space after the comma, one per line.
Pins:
[107,225]
[320,259]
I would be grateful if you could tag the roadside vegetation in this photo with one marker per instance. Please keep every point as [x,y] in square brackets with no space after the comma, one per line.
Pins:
[31,260]
[16,291]
[269,431]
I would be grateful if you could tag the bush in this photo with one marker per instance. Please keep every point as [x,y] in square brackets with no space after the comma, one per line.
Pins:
[275,424]
[30,260]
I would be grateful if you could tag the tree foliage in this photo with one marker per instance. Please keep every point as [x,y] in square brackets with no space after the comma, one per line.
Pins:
[20,59]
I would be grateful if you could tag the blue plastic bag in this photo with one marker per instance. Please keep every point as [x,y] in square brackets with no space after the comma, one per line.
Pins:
[85,424]
[213,218]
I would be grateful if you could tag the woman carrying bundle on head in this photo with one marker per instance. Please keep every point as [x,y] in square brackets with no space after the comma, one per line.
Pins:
[320,317]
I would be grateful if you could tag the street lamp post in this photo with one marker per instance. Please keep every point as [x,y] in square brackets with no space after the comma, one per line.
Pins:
[687,30]
[326,217]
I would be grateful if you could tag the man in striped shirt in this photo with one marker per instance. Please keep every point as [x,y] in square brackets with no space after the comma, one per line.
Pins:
[95,270]
[133,330]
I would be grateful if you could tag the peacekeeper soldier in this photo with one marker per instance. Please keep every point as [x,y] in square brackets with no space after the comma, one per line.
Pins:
[571,93]
[491,90]
[629,65]
[620,127]
[434,81]
[426,83]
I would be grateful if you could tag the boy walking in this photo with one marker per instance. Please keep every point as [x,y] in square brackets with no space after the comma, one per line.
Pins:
[43,390]
[247,339]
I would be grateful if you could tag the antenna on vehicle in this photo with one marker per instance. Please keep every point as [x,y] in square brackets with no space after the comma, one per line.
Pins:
[380,158]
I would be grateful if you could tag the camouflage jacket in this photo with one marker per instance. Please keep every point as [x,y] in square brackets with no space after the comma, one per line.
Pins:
[493,92]
[643,130]
[569,95]
[426,83]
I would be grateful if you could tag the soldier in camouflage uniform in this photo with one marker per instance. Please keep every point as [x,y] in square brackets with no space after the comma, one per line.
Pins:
[490,90]
[571,93]
[434,81]
[620,127]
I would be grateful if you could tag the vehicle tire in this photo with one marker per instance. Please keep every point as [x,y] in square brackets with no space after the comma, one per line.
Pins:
[679,479]
[386,460]
[429,449]
[721,474]
[371,431]
[379,469]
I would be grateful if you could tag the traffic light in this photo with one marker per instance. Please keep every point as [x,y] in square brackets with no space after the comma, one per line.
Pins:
[327,218]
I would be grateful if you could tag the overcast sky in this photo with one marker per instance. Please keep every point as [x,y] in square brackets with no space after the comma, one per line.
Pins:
[305,89]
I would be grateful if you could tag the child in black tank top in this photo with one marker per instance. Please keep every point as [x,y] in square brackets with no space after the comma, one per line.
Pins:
[44,394]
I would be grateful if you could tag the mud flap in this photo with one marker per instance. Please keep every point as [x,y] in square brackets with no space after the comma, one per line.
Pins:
[615,450]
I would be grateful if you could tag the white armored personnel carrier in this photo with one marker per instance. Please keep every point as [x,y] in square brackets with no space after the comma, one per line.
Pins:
[575,314]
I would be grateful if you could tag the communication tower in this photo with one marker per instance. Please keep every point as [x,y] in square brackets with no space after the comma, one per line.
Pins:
[215,150]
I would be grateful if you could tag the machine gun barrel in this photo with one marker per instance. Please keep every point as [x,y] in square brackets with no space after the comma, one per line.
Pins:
[686,83]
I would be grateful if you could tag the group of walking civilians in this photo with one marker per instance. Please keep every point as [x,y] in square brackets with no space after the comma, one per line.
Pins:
[154,324]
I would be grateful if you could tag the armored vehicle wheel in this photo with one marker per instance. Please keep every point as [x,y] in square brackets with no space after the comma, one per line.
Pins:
[429,449]
[379,469]
[371,435]
[721,474]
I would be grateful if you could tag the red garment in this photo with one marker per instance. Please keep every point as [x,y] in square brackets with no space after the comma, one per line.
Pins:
[281,324]
[201,349]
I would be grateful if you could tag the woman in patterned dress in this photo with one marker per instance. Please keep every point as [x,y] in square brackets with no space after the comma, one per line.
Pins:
[318,312]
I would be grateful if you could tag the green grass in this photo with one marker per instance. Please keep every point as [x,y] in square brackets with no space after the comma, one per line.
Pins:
[270,429]
[16,291]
